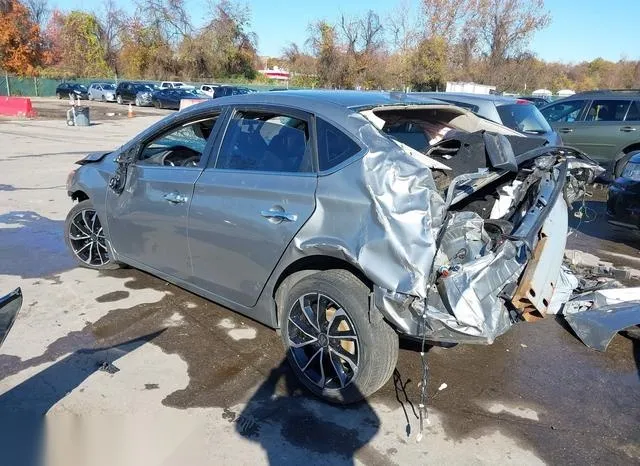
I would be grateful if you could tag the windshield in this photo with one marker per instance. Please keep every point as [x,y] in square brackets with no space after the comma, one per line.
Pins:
[525,118]
[108,87]
[79,87]
[144,87]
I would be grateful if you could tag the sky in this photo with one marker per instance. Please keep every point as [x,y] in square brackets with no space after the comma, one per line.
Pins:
[580,29]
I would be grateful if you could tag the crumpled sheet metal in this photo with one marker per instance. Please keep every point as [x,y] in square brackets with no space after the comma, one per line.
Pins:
[473,294]
[389,228]
[597,316]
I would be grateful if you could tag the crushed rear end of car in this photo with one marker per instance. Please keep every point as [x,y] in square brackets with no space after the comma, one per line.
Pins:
[486,251]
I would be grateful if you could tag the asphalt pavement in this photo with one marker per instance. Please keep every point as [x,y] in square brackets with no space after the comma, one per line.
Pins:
[129,369]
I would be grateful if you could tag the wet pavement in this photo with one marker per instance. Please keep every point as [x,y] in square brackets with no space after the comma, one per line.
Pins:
[196,383]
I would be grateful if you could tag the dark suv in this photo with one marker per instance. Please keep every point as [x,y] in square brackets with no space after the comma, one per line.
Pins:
[133,91]
[79,91]
[605,124]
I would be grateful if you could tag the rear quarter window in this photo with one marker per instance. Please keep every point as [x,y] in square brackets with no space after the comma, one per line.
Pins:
[334,146]
[525,118]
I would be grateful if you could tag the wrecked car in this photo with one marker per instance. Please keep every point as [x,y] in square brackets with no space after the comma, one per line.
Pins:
[341,218]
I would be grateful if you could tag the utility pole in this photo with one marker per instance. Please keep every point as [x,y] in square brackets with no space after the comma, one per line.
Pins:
[6,79]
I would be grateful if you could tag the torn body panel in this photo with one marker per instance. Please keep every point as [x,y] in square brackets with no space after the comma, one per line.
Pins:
[596,317]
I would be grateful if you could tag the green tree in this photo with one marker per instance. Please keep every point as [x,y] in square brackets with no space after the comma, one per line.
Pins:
[81,49]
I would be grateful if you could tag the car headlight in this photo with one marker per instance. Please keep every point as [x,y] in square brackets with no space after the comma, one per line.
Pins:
[632,171]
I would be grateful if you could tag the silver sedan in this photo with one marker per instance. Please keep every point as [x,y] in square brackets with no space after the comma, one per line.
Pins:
[105,92]
[344,219]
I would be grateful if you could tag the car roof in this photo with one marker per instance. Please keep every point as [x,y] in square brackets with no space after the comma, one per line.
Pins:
[469,97]
[611,94]
[331,104]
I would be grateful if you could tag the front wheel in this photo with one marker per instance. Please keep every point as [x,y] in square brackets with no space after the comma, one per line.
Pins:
[119,99]
[332,346]
[86,238]
[137,102]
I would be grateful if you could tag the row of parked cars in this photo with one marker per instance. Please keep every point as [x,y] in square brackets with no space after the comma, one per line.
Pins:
[167,94]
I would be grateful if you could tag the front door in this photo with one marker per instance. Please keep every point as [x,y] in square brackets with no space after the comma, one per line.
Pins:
[249,204]
[148,220]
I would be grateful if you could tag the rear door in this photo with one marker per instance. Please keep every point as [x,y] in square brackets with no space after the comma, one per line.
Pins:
[251,201]
[148,220]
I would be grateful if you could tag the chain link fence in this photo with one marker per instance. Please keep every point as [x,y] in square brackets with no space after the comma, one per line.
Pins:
[46,87]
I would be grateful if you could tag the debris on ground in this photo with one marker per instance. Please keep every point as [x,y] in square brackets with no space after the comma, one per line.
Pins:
[108,367]
[597,316]
[442,387]
[591,267]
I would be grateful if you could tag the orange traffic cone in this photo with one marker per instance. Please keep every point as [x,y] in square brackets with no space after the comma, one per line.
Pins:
[130,114]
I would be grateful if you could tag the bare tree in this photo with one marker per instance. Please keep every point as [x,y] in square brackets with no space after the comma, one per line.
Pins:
[506,26]
[371,32]
[170,17]
[446,18]
[112,19]
[39,11]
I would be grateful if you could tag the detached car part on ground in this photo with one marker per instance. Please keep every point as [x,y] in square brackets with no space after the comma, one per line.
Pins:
[9,306]
[304,210]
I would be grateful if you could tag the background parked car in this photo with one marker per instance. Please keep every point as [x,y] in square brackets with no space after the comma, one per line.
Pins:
[604,124]
[79,91]
[517,114]
[170,98]
[623,205]
[208,89]
[105,92]
[535,100]
[224,91]
[174,85]
[132,91]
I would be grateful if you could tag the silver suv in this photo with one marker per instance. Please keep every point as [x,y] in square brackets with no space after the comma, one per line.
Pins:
[303,211]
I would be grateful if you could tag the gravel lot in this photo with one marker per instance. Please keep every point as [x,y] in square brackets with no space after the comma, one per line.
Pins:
[198,384]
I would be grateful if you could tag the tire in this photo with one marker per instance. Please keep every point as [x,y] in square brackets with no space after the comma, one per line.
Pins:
[82,235]
[353,367]
[160,104]
[102,99]
[119,100]
[58,95]
[137,102]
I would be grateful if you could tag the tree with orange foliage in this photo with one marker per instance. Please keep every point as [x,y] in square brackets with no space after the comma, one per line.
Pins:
[20,43]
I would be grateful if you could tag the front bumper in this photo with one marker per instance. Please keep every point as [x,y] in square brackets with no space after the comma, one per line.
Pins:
[623,204]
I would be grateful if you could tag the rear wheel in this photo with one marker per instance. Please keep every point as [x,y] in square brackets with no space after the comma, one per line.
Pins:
[86,238]
[137,102]
[333,348]
[58,95]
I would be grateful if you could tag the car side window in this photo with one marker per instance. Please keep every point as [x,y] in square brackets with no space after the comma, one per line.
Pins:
[180,146]
[334,147]
[607,110]
[564,112]
[634,111]
[266,141]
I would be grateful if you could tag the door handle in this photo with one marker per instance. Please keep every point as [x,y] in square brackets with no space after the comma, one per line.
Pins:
[175,198]
[627,129]
[566,130]
[278,216]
